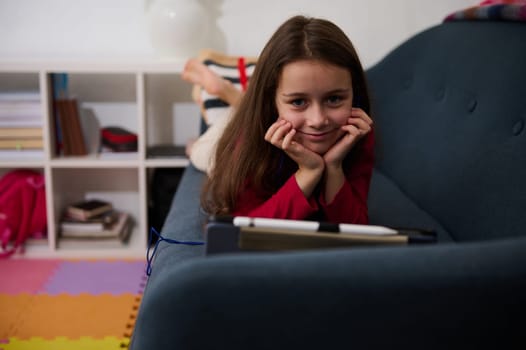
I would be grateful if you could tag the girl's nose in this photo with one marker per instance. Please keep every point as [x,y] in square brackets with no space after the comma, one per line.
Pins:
[315,117]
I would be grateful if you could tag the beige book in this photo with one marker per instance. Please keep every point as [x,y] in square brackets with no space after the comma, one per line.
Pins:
[31,143]
[15,133]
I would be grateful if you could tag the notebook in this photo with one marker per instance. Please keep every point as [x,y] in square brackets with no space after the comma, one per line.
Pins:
[243,234]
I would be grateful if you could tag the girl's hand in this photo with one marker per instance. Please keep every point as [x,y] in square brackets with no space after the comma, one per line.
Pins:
[311,165]
[281,134]
[358,125]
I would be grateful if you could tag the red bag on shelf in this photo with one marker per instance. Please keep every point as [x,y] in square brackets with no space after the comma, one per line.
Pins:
[22,209]
[118,139]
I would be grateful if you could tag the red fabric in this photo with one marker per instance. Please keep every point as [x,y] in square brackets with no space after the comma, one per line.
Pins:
[348,206]
[118,135]
[22,208]
[243,79]
[503,2]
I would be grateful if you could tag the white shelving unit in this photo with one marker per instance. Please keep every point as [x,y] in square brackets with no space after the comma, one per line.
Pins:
[137,95]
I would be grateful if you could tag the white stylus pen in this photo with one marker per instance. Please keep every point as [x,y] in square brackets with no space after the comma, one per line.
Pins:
[311,226]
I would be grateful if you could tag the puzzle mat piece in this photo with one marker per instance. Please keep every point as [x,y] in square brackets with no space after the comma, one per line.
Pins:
[77,316]
[25,275]
[62,343]
[97,277]
[13,309]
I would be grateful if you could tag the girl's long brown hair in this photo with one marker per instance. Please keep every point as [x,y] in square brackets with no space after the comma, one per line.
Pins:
[242,153]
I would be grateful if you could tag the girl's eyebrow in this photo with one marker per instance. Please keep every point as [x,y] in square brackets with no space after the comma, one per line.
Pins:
[293,94]
[342,91]
[335,91]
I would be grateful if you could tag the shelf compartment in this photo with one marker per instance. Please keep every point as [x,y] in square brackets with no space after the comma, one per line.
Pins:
[105,100]
[170,119]
[120,186]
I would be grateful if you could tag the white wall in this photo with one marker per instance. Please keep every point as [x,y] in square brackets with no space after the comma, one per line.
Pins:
[94,29]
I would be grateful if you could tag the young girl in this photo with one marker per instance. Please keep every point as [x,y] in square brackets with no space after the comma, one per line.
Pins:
[300,144]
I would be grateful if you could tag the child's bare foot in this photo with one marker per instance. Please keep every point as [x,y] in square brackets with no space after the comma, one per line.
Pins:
[196,72]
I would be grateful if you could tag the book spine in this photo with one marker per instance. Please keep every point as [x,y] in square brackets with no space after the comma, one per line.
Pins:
[36,143]
[13,133]
[64,126]
[59,90]
[76,128]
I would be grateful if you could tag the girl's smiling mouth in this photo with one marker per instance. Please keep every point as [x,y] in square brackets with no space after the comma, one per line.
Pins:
[316,136]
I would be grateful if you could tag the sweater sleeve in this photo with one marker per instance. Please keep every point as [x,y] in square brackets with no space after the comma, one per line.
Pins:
[348,206]
[350,203]
[288,202]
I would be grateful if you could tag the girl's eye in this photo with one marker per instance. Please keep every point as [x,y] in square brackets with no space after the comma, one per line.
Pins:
[299,102]
[334,100]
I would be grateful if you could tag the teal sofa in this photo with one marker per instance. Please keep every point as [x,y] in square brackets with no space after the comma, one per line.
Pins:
[450,112]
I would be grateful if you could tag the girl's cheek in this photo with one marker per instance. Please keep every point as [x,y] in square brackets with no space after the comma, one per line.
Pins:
[341,117]
[292,118]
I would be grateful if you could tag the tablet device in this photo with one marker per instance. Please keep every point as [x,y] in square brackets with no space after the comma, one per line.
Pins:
[241,234]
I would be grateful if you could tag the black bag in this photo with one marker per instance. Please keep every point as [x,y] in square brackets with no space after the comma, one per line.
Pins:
[163,185]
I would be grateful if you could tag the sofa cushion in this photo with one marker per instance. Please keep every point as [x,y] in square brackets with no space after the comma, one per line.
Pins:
[450,125]
[389,206]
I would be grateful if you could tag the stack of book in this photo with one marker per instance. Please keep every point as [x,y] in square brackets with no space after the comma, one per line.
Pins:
[68,117]
[21,122]
[95,223]
[69,134]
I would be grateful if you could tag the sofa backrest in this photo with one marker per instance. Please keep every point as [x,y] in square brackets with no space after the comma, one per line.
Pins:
[450,112]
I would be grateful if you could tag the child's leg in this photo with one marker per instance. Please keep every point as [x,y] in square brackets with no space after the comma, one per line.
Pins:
[198,73]
[218,83]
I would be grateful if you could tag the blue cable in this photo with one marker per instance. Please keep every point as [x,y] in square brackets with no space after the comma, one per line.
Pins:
[160,238]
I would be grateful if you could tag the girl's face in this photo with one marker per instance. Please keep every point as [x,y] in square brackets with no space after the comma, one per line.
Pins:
[316,98]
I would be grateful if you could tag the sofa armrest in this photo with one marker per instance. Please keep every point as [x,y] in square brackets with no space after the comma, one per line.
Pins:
[184,222]
[442,296]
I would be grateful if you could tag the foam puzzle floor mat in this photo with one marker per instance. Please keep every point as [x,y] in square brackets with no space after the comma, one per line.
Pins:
[69,304]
